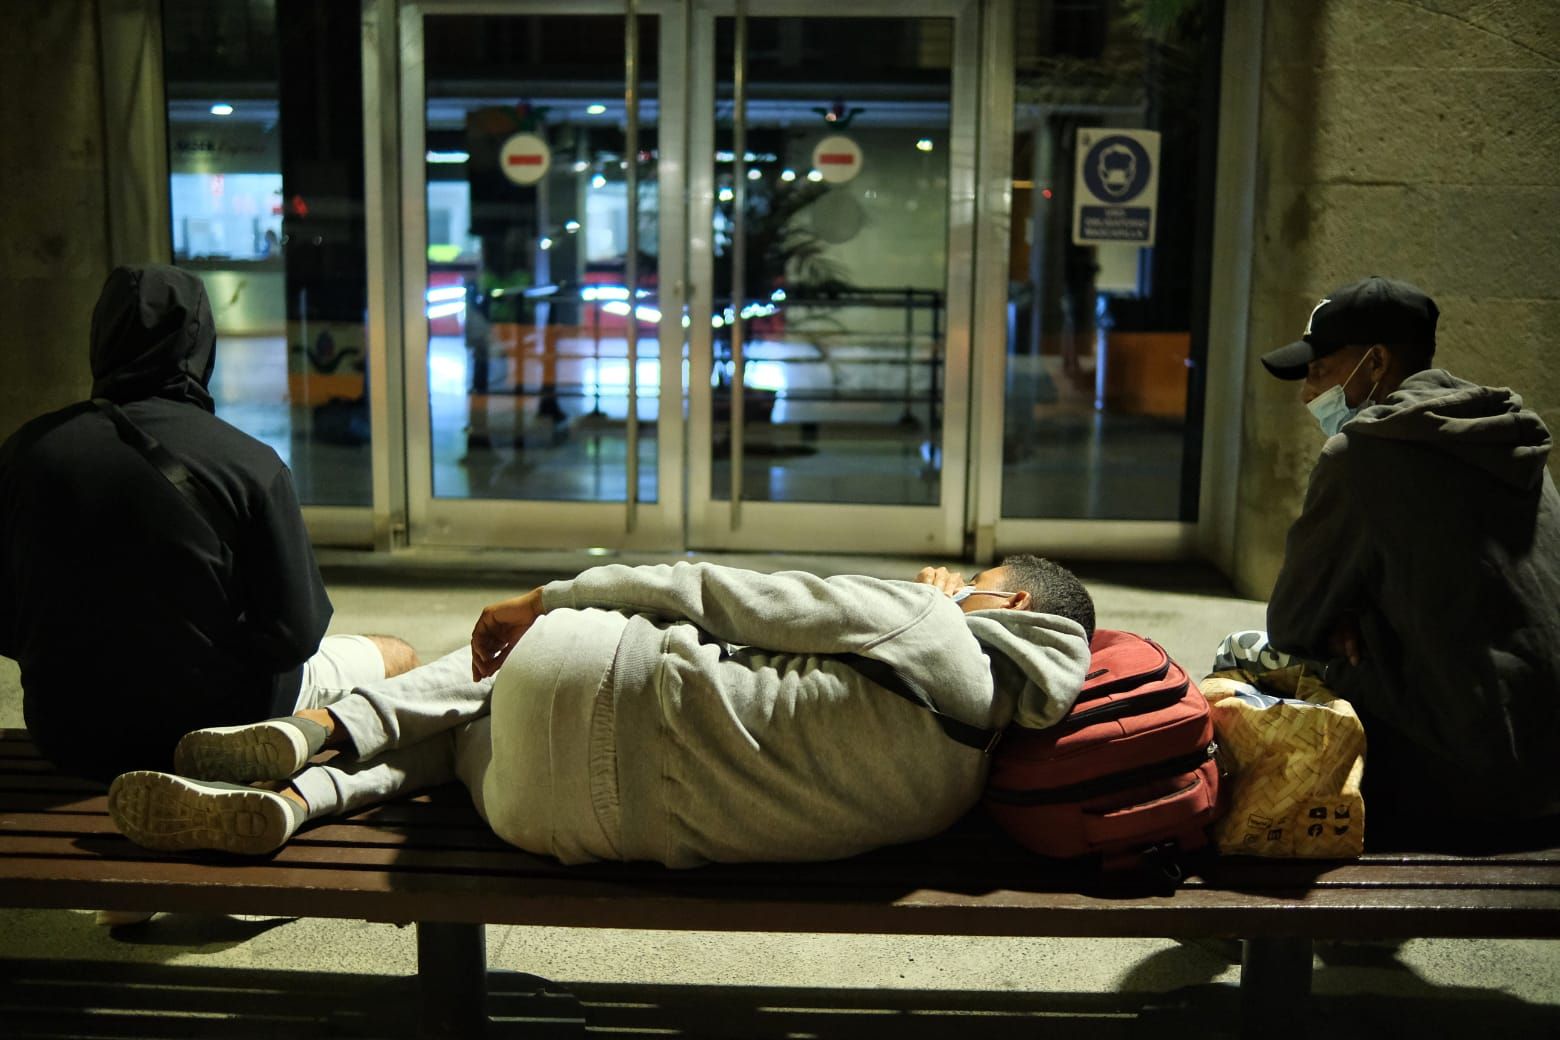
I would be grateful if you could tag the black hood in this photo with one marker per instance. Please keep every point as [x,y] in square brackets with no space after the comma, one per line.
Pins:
[153,336]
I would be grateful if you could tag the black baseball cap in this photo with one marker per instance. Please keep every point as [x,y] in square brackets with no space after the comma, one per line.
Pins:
[1376,310]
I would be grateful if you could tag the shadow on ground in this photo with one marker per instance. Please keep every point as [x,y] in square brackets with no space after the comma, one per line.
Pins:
[50,999]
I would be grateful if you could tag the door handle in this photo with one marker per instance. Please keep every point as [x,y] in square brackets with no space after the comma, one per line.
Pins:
[738,252]
[631,262]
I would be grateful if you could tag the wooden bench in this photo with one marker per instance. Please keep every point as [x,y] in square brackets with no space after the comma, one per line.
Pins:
[431,860]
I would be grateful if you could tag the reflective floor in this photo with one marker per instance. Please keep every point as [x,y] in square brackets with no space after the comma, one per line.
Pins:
[565,440]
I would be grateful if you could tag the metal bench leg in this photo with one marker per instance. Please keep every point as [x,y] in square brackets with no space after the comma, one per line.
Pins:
[1275,987]
[452,979]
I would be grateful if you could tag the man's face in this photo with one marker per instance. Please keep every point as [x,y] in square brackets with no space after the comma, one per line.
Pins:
[1327,372]
[993,591]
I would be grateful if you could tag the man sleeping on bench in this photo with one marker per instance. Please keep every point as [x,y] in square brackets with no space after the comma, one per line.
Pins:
[683,714]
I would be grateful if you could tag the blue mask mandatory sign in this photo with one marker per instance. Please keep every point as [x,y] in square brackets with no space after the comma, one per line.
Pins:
[1116,189]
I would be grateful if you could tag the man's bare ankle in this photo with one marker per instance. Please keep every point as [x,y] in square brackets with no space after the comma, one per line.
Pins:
[334,734]
[293,794]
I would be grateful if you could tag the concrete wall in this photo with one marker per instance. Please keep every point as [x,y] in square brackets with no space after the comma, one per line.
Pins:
[80,190]
[52,203]
[1416,140]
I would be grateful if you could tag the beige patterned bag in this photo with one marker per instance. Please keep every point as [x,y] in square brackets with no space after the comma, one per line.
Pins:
[1296,753]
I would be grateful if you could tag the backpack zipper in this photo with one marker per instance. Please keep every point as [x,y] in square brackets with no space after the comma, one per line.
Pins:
[1104,785]
[1116,709]
[1126,682]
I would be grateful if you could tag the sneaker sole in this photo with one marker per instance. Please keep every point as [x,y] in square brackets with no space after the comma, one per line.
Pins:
[262,751]
[171,814]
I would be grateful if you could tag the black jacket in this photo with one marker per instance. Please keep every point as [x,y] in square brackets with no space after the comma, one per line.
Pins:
[1432,520]
[132,621]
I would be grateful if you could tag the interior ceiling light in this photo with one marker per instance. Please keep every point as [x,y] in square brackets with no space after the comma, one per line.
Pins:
[595,110]
[221,108]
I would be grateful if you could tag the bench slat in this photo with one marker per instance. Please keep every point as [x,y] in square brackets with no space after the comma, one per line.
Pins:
[432,858]
[31,857]
[578,902]
[40,835]
[447,819]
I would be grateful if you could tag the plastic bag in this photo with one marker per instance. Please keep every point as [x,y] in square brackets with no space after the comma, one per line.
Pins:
[1296,753]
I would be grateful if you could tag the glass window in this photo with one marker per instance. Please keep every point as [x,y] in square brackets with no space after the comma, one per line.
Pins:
[1106,341]
[528,312]
[844,259]
[265,160]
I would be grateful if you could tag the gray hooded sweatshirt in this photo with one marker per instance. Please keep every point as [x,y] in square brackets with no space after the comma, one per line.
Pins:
[1432,521]
[737,736]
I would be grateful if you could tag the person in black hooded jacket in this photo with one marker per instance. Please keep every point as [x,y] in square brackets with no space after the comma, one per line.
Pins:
[134,621]
[1424,569]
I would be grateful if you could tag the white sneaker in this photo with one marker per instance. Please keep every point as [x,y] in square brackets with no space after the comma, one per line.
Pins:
[275,749]
[176,814]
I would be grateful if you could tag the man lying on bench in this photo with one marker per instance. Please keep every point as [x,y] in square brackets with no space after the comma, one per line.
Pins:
[682,714]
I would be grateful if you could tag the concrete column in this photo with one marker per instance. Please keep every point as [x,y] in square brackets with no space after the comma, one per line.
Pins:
[82,187]
[52,203]
[1419,141]
[135,121]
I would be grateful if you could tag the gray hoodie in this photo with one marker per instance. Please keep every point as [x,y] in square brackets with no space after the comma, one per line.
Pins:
[1432,520]
[739,738]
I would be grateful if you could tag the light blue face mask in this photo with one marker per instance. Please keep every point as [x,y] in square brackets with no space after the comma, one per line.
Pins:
[1331,406]
[969,590]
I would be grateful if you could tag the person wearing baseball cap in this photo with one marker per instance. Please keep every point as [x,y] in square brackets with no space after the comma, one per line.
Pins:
[1423,572]
[1360,342]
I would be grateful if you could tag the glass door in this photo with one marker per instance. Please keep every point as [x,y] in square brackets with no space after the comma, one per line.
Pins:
[543,379]
[831,204]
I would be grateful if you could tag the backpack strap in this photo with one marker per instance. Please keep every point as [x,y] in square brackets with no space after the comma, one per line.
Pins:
[884,675]
[196,494]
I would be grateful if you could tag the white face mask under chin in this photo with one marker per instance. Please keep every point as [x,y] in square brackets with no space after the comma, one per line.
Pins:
[1331,406]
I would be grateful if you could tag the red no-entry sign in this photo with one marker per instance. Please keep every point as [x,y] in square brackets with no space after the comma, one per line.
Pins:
[525,158]
[837,158]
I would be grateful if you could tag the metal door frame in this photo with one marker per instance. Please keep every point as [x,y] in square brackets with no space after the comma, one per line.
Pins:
[538,523]
[979,227]
[993,533]
[1212,535]
[824,527]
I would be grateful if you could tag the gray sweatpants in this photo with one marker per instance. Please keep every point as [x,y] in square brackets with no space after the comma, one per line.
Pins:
[532,744]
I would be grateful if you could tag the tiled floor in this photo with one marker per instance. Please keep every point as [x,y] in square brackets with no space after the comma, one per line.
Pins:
[62,976]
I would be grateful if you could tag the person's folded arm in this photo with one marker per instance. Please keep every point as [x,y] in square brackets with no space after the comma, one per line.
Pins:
[286,609]
[790,611]
[1320,587]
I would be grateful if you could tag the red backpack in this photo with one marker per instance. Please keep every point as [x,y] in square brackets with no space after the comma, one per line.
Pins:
[1129,773]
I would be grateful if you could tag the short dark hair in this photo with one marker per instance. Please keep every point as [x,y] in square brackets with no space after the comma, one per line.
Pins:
[1052,588]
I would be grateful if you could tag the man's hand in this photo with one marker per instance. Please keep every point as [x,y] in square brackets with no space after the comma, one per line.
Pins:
[499,628]
[1345,641]
[949,581]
